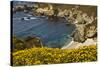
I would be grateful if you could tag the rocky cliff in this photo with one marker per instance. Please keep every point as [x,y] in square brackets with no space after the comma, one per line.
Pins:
[84,17]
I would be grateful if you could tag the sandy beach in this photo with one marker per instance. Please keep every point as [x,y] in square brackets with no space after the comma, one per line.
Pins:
[74,44]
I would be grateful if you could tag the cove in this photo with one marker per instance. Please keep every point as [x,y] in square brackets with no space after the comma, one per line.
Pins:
[54,34]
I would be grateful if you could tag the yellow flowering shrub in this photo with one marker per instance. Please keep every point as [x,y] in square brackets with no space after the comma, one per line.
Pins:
[35,56]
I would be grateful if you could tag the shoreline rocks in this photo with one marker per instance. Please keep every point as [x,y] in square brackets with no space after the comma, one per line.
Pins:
[86,25]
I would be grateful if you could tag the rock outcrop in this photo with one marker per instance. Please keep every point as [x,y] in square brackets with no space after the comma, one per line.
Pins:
[86,25]
[84,18]
[29,42]
[33,42]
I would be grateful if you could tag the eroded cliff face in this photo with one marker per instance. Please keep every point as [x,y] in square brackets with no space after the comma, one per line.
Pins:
[86,27]
[84,18]
[85,22]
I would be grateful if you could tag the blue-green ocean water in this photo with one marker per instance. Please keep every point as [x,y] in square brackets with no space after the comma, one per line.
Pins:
[52,33]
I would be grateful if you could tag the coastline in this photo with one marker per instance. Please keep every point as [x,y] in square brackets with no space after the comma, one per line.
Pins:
[84,20]
[74,44]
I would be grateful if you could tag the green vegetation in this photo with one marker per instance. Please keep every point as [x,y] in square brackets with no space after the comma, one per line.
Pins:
[28,51]
[54,55]
[29,42]
[18,44]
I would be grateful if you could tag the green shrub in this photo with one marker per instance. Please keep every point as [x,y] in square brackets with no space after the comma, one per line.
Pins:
[17,44]
[54,55]
[29,42]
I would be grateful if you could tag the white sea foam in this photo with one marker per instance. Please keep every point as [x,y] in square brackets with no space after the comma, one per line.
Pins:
[33,18]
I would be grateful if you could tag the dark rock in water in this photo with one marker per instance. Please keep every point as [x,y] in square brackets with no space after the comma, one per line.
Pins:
[25,18]
[28,18]
[22,18]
